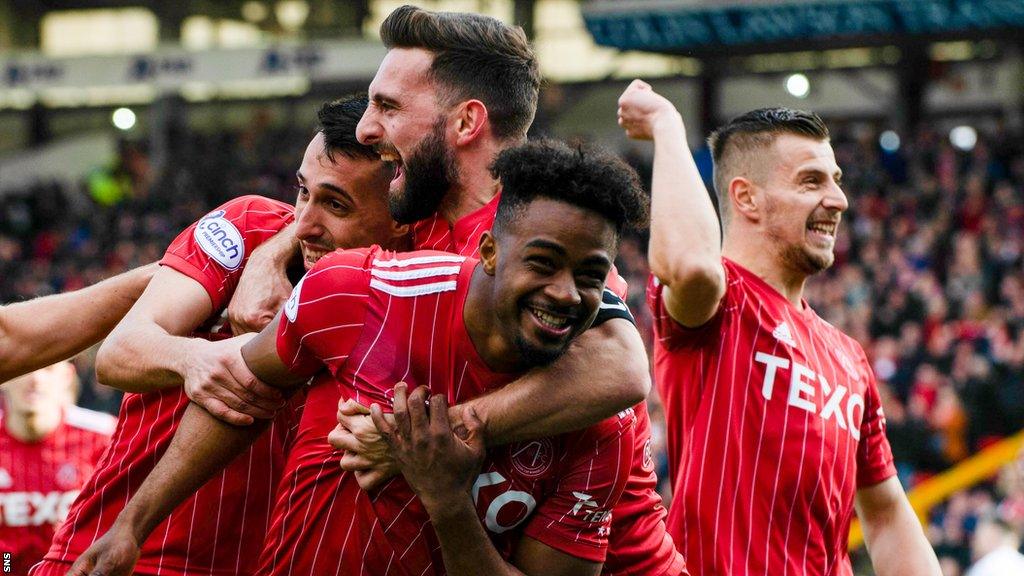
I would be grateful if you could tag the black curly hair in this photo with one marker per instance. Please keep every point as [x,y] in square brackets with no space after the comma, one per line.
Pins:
[583,176]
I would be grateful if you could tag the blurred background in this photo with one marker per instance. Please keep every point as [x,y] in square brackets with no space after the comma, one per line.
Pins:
[123,121]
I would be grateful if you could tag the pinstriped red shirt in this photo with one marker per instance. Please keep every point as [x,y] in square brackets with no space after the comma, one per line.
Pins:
[375,318]
[40,480]
[217,529]
[774,422]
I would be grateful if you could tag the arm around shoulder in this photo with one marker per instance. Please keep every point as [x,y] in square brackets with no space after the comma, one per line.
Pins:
[603,372]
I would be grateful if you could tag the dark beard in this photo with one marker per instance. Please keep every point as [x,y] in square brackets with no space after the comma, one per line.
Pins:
[532,357]
[429,174]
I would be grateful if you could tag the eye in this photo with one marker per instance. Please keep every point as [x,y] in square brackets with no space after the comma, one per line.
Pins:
[540,263]
[592,278]
[302,191]
[337,206]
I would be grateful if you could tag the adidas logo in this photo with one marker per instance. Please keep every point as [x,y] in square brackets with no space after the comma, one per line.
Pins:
[5,479]
[782,334]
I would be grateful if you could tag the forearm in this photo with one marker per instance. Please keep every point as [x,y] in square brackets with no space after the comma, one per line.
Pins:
[143,357]
[896,542]
[40,332]
[604,372]
[464,545]
[201,447]
[678,196]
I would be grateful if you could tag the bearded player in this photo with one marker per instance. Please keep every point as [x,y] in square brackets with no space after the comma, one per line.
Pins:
[458,326]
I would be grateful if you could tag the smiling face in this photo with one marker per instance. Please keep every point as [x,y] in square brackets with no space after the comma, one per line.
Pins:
[803,202]
[408,126]
[549,266]
[341,204]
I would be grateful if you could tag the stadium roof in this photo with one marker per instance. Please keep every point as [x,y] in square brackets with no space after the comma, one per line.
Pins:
[685,27]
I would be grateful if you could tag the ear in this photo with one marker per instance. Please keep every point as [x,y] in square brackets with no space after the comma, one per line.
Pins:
[471,120]
[489,253]
[399,231]
[744,198]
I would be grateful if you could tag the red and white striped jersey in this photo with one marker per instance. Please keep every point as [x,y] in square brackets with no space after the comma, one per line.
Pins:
[40,480]
[640,544]
[216,530]
[639,541]
[375,318]
[774,422]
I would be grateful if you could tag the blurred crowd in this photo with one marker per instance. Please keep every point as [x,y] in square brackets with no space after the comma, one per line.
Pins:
[929,276]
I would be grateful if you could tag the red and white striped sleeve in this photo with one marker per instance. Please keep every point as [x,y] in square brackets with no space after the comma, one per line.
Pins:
[213,251]
[324,316]
[874,455]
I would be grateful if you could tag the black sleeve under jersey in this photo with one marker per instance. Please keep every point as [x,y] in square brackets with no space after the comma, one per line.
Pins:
[612,307]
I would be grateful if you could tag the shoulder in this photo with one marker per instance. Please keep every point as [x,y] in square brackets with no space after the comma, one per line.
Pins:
[410,274]
[90,420]
[253,204]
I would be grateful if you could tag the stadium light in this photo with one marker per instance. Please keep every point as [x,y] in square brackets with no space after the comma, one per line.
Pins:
[963,138]
[123,118]
[798,85]
[889,141]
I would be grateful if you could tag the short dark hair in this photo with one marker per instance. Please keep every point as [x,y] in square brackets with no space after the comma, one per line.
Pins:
[585,177]
[756,129]
[475,57]
[337,122]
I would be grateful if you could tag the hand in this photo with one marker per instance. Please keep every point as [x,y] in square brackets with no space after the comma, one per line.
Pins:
[641,109]
[438,465]
[115,554]
[217,379]
[366,454]
[263,286]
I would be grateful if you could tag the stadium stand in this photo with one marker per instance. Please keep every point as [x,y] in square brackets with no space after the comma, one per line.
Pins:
[929,273]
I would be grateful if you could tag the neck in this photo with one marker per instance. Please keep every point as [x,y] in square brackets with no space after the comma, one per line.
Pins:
[754,257]
[494,349]
[31,426]
[476,187]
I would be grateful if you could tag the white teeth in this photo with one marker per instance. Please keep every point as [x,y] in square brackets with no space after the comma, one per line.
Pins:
[828,229]
[550,320]
[388,157]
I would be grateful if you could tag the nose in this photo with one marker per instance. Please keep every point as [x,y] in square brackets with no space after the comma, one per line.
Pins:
[562,290]
[369,131]
[836,199]
[308,225]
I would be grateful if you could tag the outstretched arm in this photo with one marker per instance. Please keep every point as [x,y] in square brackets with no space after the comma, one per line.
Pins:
[202,446]
[39,332]
[685,248]
[894,538]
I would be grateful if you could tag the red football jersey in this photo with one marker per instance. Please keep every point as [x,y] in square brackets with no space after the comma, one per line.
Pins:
[774,422]
[639,541]
[375,318]
[216,530]
[640,544]
[40,480]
